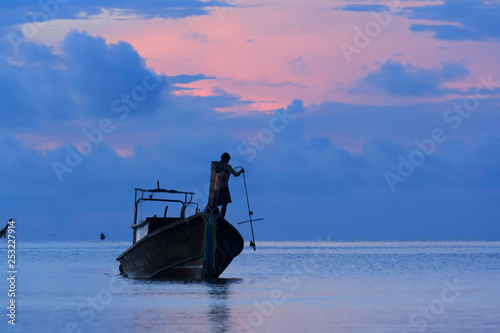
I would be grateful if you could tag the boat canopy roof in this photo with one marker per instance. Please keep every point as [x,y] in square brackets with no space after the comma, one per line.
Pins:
[162,191]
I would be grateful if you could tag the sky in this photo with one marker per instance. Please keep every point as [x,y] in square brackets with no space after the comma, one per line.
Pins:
[354,120]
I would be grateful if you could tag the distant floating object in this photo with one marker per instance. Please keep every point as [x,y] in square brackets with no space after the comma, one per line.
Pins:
[102,236]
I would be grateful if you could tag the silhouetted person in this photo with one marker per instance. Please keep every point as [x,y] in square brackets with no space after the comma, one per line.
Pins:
[102,236]
[224,197]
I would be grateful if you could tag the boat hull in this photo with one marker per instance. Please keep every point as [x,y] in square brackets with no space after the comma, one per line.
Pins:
[179,250]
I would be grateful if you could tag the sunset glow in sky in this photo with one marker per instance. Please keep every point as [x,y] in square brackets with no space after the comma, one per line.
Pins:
[354,119]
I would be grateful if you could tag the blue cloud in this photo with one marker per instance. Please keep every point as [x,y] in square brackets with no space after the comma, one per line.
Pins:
[13,13]
[186,78]
[283,84]
[102,73]
[450,32]
[397,79]
[477,20]
[363,8]
[33,86]
[468,19]
[88,77]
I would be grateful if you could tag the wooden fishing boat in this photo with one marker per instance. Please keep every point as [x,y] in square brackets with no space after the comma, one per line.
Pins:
[198,246]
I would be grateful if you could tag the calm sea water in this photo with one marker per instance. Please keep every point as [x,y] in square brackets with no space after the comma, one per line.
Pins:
[282,287]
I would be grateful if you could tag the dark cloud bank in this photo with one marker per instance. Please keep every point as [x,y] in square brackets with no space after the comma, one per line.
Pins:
[313,172]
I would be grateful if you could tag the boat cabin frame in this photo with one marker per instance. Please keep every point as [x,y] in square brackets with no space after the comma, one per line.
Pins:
[149,224]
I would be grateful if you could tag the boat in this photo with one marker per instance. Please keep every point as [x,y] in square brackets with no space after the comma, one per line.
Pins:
[197,246]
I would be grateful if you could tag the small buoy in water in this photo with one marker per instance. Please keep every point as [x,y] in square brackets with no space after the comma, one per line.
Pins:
[102,236]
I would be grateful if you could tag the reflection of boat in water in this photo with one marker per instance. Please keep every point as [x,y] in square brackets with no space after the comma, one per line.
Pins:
[184,305]
[197,246]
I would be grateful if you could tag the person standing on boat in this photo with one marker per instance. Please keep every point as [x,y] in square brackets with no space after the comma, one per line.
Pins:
[224,197]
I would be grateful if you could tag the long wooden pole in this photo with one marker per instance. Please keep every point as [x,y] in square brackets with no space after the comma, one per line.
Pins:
[250,213]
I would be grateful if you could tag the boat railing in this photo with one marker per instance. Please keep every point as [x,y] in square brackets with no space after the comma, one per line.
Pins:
[140,197]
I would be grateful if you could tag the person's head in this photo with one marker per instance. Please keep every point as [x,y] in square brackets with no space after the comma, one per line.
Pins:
[225,157]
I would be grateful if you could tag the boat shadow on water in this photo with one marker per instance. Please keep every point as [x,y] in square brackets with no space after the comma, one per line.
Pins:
[209,282]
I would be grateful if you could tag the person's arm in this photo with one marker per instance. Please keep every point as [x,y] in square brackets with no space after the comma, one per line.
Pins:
[234,173]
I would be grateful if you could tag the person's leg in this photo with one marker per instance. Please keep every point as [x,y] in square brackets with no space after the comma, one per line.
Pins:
[223,209]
